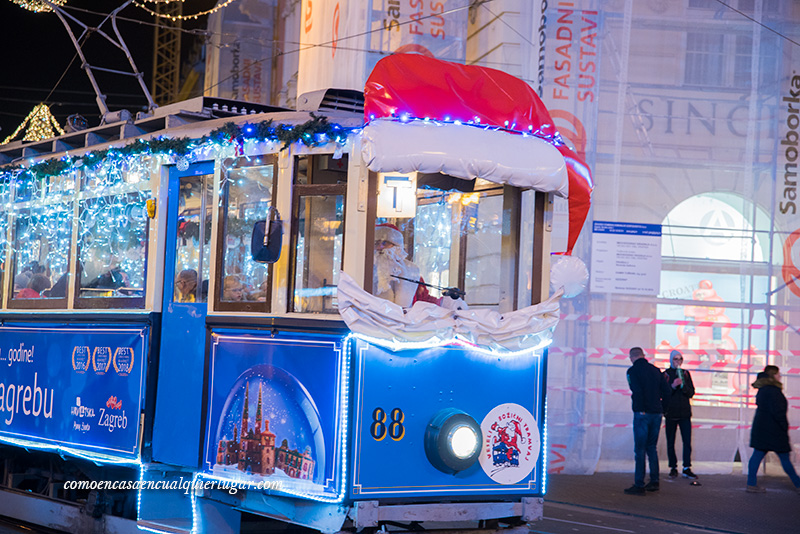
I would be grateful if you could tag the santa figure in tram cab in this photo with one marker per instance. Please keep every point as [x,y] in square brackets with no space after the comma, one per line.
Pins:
[394,276]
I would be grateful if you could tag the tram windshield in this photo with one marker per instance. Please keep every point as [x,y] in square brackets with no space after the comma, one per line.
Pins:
[454,237]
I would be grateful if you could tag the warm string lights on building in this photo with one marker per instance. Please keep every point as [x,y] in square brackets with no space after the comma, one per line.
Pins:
[41,124]
[39,6]
[197,15]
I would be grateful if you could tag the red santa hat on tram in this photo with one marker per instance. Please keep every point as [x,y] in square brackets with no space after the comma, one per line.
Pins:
[389,232]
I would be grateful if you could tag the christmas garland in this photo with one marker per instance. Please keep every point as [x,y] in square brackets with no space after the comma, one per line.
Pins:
[314,132]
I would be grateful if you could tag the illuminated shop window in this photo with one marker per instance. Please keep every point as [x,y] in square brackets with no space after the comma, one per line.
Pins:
[715,267]
[248,194]
[318,232]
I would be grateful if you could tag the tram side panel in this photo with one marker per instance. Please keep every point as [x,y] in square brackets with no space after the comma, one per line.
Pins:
[77,389]
[277,411]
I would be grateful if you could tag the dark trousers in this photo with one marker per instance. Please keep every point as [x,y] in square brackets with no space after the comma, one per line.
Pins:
[786,463]
[671,427]
[645,438]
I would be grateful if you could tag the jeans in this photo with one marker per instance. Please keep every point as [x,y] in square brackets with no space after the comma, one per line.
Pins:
[645,438]
[755,461]
[686,437]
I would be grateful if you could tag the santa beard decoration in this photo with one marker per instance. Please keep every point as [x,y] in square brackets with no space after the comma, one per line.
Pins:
[388,263]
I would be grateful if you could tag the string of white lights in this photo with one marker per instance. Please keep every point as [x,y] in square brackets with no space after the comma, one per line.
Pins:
[180,17]
[38,6]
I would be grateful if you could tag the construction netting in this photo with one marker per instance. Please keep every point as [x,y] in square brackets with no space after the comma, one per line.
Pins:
[689,115]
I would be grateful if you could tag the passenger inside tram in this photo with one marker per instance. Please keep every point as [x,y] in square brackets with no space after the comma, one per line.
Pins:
[23,278]
[111,279]
[59,289]
[233,289]
[186,286]
[37,284]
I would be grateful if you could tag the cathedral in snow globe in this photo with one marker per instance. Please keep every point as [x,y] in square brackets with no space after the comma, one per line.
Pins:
[270,427]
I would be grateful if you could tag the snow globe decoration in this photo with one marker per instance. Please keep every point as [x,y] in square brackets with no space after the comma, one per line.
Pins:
[270,428]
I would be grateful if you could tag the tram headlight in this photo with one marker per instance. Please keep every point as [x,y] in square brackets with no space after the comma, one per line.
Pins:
[452,441]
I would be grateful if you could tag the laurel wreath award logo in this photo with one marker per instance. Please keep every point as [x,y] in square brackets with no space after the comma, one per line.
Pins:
[101,360]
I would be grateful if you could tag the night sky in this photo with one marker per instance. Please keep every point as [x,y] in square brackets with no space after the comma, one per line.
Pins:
[40,62]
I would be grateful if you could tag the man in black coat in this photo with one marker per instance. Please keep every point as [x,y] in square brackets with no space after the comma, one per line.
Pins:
[679,414]
[649,395]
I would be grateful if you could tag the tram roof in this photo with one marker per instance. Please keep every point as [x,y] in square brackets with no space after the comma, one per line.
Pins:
[180,119]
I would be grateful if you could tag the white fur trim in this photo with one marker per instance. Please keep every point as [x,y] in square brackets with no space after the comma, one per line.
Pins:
[387,233]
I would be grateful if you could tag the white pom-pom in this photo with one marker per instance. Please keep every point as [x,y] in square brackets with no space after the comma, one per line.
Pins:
[570,273]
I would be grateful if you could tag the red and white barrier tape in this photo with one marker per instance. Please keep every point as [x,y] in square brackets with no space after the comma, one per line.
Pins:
[621,353]
[630,425]
[694,365]
[741,401]
[678,322]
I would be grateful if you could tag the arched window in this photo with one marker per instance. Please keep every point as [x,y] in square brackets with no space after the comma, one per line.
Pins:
[716,226]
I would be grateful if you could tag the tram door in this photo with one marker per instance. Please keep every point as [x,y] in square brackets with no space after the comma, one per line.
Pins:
[176,432]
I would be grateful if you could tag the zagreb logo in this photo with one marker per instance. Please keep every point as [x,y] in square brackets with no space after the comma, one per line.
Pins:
[113,403]
[510,443]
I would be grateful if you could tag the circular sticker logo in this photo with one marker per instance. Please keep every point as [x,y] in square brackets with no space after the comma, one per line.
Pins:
[510,443]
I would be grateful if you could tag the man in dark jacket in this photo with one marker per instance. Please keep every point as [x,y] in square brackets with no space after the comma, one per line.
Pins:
[770,431]
[649,394]
[679,414]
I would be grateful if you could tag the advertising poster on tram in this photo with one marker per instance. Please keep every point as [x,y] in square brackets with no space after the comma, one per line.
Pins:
[77,388]
[273,413]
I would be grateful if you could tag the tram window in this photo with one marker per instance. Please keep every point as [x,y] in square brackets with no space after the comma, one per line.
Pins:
[248,191]
[42,236]
[193,245]
[460,236]
[482,226]
[112,251]
[318,232]
[4,198]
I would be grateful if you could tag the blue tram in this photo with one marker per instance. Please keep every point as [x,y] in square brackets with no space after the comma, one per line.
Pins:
[227,313]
